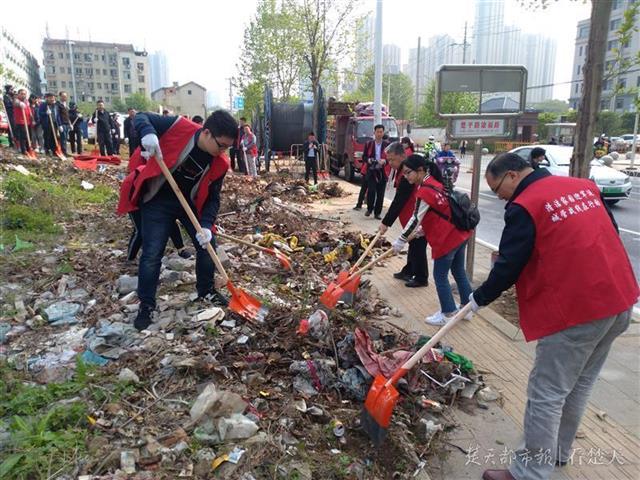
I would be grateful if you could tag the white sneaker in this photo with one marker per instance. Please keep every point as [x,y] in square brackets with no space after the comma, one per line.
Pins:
[438,319]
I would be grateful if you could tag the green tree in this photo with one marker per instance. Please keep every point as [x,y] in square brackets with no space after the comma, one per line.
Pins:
[608,122]
[558,106]
[543,119]
[451,103]
[272,49]
[328,31]
[396,87]
[139,101]
[253,96]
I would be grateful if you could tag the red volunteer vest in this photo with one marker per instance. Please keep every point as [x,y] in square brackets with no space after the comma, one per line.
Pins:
[20,113]
[370,149]
[172,143]
[441,234]
[579,270]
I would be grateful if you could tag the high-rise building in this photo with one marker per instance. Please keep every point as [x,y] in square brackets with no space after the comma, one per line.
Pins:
[20,67]
[365,28]
[488,29]
[89,71]
[159,68]
[538,54]
[440,50]
[418,78]
[391,59]
[623,101]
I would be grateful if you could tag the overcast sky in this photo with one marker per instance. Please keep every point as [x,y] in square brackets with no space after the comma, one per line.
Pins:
[202,39]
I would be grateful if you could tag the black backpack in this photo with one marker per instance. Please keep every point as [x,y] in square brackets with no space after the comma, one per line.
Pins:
[464,214]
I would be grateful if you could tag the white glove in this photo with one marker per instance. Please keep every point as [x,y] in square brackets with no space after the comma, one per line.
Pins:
[398,245]
[113,130]
[204,237]
[474,306]
[61,128]
[151,145]
[126,141]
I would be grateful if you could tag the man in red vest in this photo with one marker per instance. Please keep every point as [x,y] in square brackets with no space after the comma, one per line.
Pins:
[416,272]
[22,120]
[375,158]
[576,289]
[196,157]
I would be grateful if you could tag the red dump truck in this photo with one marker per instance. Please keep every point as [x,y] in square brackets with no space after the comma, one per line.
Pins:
[349,127]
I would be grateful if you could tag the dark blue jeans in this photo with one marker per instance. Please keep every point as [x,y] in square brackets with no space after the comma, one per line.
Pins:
[454,262]
[159,217]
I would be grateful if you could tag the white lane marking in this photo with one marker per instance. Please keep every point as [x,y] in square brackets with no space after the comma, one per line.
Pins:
[626,230]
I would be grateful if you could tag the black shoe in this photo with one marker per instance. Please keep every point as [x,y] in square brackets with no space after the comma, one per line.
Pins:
[144,317]
[367,213]
[184,253]
[402,276]
[216,298]
[358,207]
[413,283]
[377,217]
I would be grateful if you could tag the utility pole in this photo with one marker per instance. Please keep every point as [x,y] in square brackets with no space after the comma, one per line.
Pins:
[464,45]
[73,69]
[415,110]
[377,92]
[230,94]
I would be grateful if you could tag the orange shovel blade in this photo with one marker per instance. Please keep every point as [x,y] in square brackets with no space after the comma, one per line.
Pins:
[59,154]
[284,260]
[381,400]
[331,295]
[352,286]
[246,305]
[31,154]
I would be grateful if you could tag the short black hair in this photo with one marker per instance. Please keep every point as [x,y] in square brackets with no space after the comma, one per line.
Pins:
[396,148]
[99,101]
[311,133]
[49,95]
[165,111]
[244,119]
[130,108]
[197,119]
[222,124]
[415,161]
[506,162]
[537,152]
[378,126]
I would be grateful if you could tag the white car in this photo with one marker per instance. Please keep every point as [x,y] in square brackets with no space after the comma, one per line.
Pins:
[613,184]
[628,139]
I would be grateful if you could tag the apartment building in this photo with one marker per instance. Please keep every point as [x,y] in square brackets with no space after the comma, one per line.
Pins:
[188,99]
[90,71]
[20,67]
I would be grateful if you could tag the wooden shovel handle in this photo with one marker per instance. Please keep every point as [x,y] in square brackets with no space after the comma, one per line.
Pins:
[190,214]
[53,128]
[381,257]
[416,357]
[26,128]
[246,243]
[366,252]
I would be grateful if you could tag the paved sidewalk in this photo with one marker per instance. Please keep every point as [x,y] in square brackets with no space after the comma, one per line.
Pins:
[608,446]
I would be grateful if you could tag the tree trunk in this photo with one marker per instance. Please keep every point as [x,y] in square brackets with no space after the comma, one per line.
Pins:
[593,73]
[316,108]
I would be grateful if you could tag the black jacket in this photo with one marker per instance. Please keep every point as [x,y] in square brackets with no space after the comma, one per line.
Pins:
[75,116]
[516,244]
[305,148]
[105,122]
[64,113]
[403,193]
[131,134]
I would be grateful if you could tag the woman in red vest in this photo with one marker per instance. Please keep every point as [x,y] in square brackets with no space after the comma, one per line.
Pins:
[195,155]
[22,119]
[447,242]
[576,290]
[416,272]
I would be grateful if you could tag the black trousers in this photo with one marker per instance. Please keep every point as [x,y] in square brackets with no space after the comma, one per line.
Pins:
[21,135]
[75,139]
[417,265]
[310,165]
[49,140]
[376,185]
[106,145]
[363,191]
[135,242]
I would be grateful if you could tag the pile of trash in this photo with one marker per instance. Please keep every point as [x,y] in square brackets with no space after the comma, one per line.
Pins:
[206,394]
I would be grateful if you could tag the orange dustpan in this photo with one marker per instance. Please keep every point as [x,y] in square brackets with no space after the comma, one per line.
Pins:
[334,291]
[30,153]
[350,288]
[282,258]
[241,302]
[54,132]
[383,396]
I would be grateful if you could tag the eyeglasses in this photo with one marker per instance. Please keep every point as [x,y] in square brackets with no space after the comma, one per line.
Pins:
[495,190]
[221,147]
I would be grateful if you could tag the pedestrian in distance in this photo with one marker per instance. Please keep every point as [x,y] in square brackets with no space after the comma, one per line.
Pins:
[449,166]
[49,117]
[250,151]
[115,134]
[576,290]
[432,212]
[130,135]
[103,122]
[196,156]
[37,137]
[374,157]
[197,119]
[22,120]
[7,99]
[416,272]
[538,156]
[463,148]
[75,131]
[310,150]
[65,123]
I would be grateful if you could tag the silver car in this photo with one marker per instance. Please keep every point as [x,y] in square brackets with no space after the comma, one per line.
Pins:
[613,185]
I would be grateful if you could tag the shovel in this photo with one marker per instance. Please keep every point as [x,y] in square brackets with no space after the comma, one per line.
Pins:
[241,302]
[334,291]
[96,147]
[383,396]
[30,153]
[54,132]
[351,288]
[284,260]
